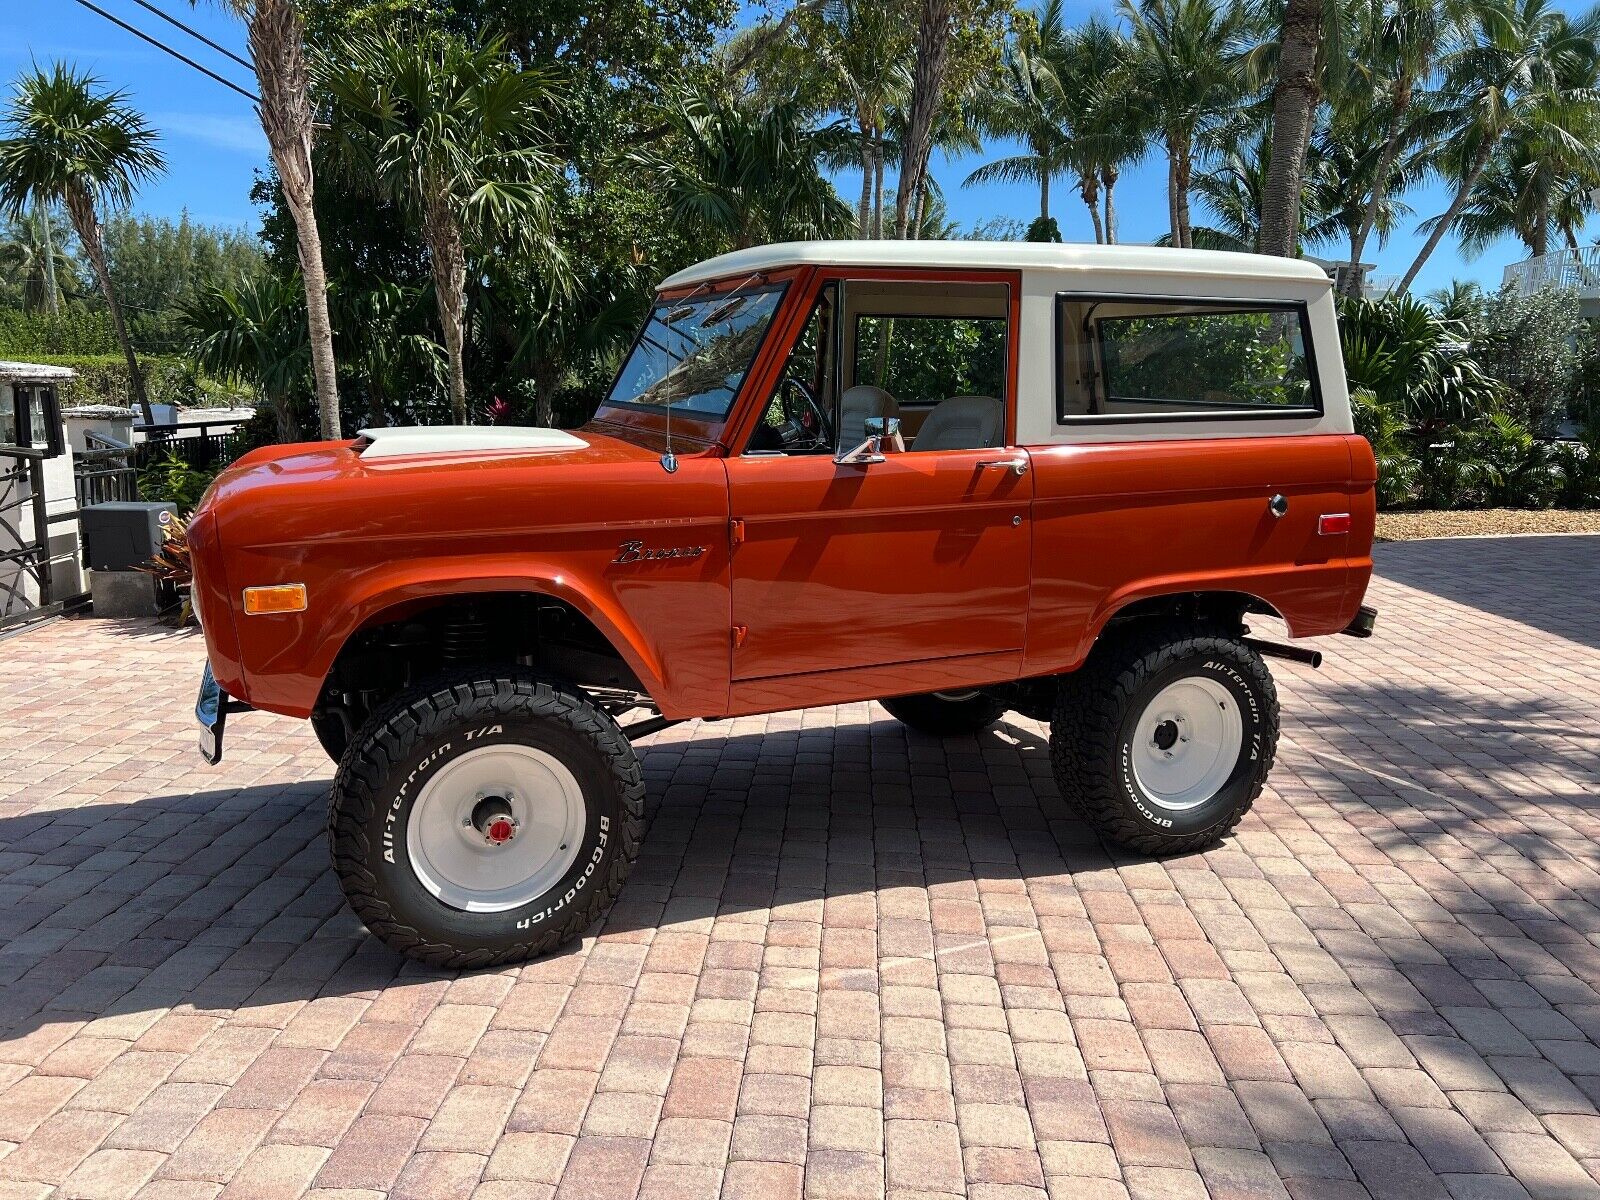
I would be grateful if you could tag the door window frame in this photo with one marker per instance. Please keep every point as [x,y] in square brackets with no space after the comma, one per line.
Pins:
[801,301]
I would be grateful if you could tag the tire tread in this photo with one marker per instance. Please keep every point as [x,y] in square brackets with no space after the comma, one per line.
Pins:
[381,744]
[1084,730]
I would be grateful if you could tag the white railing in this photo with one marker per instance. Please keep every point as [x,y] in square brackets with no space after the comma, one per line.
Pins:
[1576,269]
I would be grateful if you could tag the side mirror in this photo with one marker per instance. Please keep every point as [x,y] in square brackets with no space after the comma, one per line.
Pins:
[883,435]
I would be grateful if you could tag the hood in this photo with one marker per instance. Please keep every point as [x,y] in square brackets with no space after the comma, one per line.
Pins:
[390,479]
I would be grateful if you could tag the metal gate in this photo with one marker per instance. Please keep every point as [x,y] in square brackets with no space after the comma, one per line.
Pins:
[25,573]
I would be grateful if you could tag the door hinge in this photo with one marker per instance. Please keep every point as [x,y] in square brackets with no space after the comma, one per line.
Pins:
[740,632]
[736,531]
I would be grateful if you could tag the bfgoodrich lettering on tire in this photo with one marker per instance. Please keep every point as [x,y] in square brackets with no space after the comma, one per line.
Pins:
[485,820]
[1165,737]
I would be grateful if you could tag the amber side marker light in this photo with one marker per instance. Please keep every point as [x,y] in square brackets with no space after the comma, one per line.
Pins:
[279,598]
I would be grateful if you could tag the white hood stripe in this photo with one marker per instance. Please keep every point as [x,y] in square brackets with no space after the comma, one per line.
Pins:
[394,441]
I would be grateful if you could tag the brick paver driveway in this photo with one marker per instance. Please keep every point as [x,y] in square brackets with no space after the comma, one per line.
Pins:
[849,961]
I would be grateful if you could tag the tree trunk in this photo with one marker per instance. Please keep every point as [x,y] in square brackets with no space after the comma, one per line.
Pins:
[1380,182]
[1172,194]
[1044,194]
[1457,203]
[448,259]
[277,44]
[377,409]
[52,301]
[877,184]
[80,208]
[864,206]
[1294,103]
[1108,177]
[927,93]
[1089,189]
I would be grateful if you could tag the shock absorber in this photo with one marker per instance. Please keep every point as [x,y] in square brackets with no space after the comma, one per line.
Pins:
[464,637]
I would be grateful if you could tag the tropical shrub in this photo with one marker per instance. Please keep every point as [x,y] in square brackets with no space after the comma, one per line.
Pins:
[173,479]
[1414,361]
[1533,345]
[1445,431]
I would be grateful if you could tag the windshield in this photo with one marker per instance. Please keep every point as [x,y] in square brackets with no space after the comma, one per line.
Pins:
[693,354]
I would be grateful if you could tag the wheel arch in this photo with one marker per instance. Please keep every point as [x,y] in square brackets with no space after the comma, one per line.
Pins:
[1221,605]
[387,604]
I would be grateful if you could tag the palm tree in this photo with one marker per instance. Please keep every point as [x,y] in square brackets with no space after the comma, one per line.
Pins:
[85,147]
[935,28]
[1339,181]
[1309,54]
[1033,109]
[32,248]
[1187,67]
[1091,63]
[254,331]
[746,170]
[277,47]
[383,345]
[1524,72]
[856,41]
[457,135]
[1234,189]
[1401,46]
[1462,301]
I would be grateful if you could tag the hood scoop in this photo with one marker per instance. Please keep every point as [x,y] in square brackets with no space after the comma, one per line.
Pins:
[398,440]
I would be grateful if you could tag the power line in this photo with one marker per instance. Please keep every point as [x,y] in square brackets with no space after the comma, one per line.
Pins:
[160,45]
[197,35]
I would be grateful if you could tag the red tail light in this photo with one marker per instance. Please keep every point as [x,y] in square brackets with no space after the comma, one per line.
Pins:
[1329,524]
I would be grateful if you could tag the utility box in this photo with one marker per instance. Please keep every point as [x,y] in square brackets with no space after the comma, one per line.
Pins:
[121,535]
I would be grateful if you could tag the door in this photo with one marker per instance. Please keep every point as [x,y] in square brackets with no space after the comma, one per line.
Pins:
[922,556]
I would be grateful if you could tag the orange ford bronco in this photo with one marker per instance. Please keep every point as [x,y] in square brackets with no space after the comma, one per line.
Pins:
[964,478]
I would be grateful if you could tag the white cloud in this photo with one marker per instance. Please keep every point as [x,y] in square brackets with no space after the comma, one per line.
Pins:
[241,134]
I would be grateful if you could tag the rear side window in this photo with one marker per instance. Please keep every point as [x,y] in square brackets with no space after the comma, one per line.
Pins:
[1143,360]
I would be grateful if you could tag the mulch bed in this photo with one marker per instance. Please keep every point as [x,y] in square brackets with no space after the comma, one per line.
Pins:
[1487,522]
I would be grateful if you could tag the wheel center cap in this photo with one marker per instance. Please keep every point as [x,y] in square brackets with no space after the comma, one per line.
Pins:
[1166,735]
[492,818]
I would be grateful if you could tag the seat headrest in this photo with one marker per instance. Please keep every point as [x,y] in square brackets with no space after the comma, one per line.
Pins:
[963,423]
[860,402]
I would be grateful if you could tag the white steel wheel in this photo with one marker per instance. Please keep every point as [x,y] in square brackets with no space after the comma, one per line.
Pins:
[1187,742]
[496,828]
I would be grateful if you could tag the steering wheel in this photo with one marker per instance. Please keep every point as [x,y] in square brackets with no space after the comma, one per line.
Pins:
[811,427]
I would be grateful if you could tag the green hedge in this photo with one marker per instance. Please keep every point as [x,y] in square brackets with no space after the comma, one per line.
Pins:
[103,379]
[26,336]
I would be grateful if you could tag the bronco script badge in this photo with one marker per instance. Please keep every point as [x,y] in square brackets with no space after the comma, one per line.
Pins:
[632,552]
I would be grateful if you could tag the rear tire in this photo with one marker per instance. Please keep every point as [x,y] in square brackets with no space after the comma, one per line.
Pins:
[1164,738]
[945,714]
[485,819]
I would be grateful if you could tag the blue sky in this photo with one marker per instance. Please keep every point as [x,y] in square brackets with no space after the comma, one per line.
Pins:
[214,145]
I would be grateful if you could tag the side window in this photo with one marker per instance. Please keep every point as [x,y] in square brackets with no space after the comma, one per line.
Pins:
[923,360]
[1148,360]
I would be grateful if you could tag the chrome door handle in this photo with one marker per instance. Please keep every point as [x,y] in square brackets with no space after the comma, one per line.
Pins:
[1017,466]
[1278,505]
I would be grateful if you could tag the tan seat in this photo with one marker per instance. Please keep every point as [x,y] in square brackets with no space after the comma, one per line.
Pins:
[963,423]
[857,404]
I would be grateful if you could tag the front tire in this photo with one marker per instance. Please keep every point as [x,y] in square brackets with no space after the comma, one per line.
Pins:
[485,820]
[945,714]
[1165,737]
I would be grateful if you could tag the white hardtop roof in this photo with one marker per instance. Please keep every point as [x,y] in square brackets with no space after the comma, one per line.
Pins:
[1002,256]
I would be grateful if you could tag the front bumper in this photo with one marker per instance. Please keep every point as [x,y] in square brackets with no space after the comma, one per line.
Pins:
[211,712]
